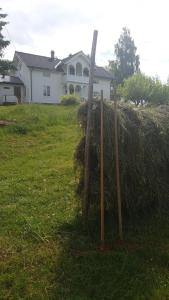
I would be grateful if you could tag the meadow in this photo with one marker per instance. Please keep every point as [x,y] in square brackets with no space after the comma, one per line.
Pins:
[44,251]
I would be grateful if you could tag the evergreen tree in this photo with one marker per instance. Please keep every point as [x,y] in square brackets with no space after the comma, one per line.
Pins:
[127,62]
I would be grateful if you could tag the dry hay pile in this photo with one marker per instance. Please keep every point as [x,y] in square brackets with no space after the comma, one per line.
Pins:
[144,157]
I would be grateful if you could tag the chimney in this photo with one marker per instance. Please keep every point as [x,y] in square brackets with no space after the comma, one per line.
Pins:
[52,55]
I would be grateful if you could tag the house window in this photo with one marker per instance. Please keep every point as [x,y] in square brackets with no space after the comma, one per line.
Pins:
[71,89]
[96,81]
[86,72]
[46,73]
[78,69]
[71,70]
[6,87]
[46,90]
[96,94]
[77,89]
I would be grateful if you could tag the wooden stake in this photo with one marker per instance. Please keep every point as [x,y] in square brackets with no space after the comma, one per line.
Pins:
[118,172]
[87,141]
[101,171]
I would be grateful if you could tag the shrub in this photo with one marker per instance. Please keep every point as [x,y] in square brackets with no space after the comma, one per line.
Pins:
[70,100]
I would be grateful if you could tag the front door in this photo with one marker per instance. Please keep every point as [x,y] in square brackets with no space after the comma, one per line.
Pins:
[17,93]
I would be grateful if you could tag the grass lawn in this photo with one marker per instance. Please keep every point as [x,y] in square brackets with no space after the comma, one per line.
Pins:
[44,253]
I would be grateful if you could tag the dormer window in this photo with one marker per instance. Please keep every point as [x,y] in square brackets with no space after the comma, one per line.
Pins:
[71,70]
[78,69]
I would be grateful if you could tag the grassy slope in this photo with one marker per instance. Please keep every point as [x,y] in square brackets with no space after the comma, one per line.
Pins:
[39,230]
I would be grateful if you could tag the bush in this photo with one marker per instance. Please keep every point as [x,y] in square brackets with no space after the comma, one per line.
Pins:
[70,100]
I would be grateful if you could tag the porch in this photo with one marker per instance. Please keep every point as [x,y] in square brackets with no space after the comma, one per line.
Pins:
[80,90]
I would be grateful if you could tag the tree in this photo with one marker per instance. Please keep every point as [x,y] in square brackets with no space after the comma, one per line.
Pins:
[127,62]
[136,88]
[5,65]
[141,89]
[159,92]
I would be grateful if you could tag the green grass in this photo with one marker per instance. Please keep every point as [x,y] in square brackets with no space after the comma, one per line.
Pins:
[44,251]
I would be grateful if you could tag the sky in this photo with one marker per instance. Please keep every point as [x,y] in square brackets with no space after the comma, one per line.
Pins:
[39,26]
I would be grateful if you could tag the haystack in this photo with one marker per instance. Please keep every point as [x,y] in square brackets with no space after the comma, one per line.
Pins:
[143,134]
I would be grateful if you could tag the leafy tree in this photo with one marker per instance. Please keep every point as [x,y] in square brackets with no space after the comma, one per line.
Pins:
[142,89]
[127,62]
[5,65]
[136,88]
[159,92]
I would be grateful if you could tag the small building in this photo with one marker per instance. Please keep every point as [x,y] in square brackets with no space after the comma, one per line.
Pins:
[46,79]
[11,89]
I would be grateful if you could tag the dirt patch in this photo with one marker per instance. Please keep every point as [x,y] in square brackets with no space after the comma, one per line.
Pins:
[6,123]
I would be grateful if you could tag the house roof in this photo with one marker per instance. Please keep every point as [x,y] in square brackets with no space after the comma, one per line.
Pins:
[10,80]
[38,61]
[44,62]
[70,56]
[103,73]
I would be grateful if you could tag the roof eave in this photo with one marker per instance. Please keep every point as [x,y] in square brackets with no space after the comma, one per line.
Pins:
[104,77]
[12,83]
[39,68]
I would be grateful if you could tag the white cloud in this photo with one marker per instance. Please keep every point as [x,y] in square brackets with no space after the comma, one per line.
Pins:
[37,26]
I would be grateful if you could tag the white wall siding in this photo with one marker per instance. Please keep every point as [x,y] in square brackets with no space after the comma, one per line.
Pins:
[102,84]
[24,74]
[54,81]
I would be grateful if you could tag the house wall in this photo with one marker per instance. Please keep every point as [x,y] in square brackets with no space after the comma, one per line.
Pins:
[102,84]
[41,78]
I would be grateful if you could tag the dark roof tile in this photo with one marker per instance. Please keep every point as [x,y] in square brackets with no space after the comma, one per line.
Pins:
[37,61]
[103,73]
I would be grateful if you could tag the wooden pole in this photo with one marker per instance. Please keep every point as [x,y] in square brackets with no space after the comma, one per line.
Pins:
[102,231]
[118,172]
[87,140]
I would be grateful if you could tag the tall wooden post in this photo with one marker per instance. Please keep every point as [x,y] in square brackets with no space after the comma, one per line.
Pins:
[118,172]
[101,172]
[88,129]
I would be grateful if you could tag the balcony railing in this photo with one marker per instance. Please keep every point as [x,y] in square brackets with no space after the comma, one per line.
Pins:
[77,79]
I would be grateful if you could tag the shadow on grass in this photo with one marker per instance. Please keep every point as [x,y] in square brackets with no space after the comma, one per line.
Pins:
[137,270]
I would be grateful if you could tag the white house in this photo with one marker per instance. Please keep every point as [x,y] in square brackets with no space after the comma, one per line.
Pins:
[46,79]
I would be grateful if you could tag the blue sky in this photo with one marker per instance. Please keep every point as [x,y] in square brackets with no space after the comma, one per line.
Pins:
[67,26]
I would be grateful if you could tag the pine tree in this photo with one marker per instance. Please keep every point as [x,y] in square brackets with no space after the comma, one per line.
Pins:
[127,62]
